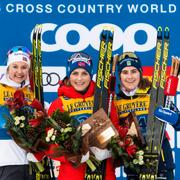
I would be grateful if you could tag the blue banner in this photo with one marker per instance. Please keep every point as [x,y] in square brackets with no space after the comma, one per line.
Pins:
[70,26]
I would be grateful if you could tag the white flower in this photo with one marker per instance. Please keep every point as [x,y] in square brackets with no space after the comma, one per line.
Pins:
[47,139]
[141,162]
[135,161]
[140,152]
[21,125]
[140,158]
[68,129]
[62,130]
[22,118]
[50,132]
[17,118]
[17,122]
[53,137]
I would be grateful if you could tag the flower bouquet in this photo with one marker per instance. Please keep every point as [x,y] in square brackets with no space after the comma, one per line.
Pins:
[26,123]
[128,146]
[69,139]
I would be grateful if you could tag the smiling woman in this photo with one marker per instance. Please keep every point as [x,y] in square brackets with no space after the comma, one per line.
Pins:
[134,96]
[13,161]
[80,71]
[76,96]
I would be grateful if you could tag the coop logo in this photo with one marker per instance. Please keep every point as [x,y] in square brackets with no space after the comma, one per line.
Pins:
[122,39]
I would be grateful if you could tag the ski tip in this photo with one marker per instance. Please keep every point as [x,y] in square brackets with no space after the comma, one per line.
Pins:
[108,28]
[159,28]
[159,32]
[107,31]
[166,32]
[166,29]
[104,32]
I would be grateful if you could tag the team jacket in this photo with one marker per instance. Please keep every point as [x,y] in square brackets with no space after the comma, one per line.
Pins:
[139,103]
[80,107]
[10,152]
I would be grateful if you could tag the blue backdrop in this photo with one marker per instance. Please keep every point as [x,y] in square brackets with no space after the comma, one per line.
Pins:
[70,26]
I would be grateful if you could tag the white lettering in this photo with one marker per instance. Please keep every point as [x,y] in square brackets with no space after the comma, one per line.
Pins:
[39,8]
[172,8]
[162,9]
[151,8]
[110,8]
[19,8]
[48,8]
[154,8]
[91,8]
[86,37]
[10,8]
[61,8]
[144,8]
[119,7]
[28,8]
[132,8]
[100,7]
[71,8]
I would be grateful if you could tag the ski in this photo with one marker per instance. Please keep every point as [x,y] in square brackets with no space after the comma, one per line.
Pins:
[112,83]
[155,128]
[103,71]
[101,95]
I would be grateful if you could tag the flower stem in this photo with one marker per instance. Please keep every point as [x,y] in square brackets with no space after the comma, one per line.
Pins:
[91,165]
[39,166]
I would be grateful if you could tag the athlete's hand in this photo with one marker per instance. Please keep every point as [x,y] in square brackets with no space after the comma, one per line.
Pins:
[168,116]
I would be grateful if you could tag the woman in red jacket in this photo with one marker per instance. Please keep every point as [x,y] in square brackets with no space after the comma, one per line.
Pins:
[76,94]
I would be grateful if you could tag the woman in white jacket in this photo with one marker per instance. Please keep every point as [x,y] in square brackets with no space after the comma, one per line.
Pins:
[13,161]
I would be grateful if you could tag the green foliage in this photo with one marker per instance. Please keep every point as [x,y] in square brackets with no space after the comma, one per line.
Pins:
[63,116]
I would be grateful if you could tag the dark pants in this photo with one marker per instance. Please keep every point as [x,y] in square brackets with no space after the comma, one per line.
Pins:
[16,172]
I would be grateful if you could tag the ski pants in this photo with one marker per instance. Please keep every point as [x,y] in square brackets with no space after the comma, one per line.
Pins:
[16,172]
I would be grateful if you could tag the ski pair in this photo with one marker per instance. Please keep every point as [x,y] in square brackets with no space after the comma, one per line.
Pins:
[103,71]
[37,87]
[37,64]
[101,95]
[155,128]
